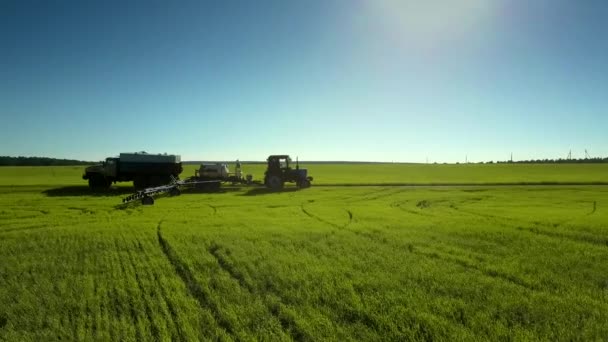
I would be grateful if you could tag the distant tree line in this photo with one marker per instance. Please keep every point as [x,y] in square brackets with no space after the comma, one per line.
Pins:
[39,161]
[552,161]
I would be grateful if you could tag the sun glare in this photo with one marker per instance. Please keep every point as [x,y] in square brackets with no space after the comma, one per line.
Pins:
[431,23]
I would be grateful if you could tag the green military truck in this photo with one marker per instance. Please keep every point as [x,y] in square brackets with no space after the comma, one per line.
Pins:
[143,169]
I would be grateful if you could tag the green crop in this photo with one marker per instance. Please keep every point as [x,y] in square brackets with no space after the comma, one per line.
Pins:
[326,263]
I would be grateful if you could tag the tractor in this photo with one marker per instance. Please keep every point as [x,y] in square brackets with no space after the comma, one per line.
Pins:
[278,172]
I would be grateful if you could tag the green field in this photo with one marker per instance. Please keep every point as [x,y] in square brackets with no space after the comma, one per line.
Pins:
[374,262]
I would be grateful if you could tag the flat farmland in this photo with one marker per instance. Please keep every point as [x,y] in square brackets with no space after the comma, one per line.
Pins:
[374,260]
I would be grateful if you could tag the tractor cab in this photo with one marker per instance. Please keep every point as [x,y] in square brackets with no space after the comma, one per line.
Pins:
[279,171]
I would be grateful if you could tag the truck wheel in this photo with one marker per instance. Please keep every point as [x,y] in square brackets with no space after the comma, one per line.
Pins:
[99,182]
[274,183]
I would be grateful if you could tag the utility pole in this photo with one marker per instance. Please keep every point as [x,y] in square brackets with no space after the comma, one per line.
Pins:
[511,157]
[587,156]
[570,155]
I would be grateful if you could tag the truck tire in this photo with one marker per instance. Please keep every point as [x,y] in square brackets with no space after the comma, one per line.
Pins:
[98,182]
[274,183]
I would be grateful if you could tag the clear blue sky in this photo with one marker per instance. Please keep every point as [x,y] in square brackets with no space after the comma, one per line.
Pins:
[324,80]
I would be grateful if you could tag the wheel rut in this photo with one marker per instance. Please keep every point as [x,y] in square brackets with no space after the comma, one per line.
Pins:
[148,310]
[178,334]
[487,272]
[289,325]
[322,220]
[193,287]
[537,229]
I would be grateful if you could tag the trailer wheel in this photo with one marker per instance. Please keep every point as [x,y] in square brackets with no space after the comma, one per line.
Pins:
[147,200]
[274,183]
[174,192]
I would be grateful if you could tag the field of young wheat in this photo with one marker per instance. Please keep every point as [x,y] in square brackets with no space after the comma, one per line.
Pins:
[332,262]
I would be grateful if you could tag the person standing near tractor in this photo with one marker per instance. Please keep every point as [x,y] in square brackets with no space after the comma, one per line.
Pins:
[237,169]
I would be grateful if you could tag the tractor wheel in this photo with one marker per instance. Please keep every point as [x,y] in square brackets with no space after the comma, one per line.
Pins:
[304,184]
[274,183]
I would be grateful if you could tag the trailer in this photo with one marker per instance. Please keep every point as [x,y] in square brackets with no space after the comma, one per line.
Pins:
[208,177]
[146,196]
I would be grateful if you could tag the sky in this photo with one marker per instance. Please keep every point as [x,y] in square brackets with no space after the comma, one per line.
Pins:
[360,80]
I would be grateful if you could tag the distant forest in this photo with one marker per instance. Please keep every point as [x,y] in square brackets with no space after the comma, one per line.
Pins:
[44,161]
[552,161]
[39,161]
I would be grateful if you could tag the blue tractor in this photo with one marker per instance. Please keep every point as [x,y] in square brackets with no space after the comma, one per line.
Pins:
[279,171]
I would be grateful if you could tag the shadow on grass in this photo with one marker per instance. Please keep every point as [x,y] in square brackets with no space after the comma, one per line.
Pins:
[266,191]
[83,190]
[222,190]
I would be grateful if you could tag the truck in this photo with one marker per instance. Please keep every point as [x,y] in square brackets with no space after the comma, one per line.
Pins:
[143,169]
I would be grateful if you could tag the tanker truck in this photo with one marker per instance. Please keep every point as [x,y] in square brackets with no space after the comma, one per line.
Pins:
[143,169]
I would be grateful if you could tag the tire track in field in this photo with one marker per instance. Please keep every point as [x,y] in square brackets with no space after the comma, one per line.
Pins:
[350,218]
[193,287]
[164,295]
[213,207]
[594,208]
[596,241]
[470,266]
[318,218]
[35,227]
[132,311]
[149,314]
[382,193]
[289,325]
[16,229]
[600,242]
[322,220]
[374,235]
[490,273]
[399,206]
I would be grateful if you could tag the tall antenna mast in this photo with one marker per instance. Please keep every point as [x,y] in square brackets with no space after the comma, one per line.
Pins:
[587,156]
[511,157]
[570,155]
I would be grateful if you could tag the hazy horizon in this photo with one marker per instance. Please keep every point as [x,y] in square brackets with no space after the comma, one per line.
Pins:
[402,81]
